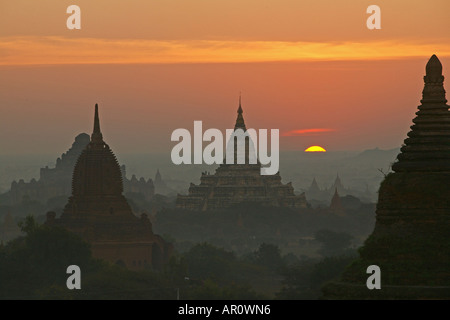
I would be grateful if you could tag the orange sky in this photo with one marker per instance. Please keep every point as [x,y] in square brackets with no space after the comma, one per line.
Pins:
[154,66]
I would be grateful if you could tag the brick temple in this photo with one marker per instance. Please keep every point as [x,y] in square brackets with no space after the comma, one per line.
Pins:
[100,214]
[411,239]
[233,184]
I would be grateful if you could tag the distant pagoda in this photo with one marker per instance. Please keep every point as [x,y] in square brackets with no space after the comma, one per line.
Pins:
[411,239]
[56,182]
[315,193]
[336,204]
[52,182]
[232,184]
[99,213]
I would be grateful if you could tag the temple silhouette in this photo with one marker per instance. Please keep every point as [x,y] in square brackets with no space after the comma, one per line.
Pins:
[336,204]
[100,214]
[57,181]
[314,192]
[236,183]
[411,239]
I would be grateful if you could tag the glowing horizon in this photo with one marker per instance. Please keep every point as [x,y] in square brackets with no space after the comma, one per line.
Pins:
[52,50]
[311,69]
[303,132]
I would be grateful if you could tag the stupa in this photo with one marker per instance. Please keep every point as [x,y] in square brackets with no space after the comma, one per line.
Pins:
[100,214]
[336,204]
[411,239]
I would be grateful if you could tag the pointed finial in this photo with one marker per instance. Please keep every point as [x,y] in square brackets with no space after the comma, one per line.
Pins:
[434,67]
[96,120]
[240,124]
[96,134]
[240,106]
[434,91]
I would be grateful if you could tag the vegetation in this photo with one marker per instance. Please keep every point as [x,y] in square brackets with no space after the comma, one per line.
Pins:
[304,281]
[34,267]
[333,243]
[243,228]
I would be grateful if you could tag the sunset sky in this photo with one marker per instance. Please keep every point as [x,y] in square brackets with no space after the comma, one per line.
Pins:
[310,68]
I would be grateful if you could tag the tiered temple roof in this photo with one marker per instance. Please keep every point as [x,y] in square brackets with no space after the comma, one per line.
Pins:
[232,184]
[427,147]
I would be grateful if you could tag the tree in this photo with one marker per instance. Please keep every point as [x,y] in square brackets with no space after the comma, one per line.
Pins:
[34,267]
[28,225]
[40,259]
[333,243]
[207,261]
[269,255]
[304,281]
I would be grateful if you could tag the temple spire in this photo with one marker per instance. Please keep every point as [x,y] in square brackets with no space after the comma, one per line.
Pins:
[158,177]
[434,67]
[240,106]
[240,124]
[96,134]
[433,91]
[427,147]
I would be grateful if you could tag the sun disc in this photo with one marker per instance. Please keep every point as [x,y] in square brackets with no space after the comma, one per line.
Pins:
[315,149]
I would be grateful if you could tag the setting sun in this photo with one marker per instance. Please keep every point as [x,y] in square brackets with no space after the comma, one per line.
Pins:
[315,149]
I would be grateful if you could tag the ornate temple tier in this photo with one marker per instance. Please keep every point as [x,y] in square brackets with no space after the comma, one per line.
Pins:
[427,147]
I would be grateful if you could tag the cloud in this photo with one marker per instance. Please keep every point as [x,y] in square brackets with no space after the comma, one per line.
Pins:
[60,50]
[306,132]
